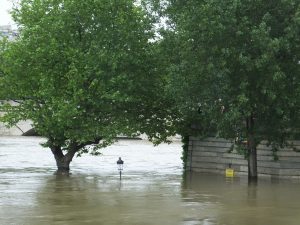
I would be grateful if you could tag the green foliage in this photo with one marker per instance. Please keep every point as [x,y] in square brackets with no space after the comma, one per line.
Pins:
[83,70]
[236,61]
[185,148]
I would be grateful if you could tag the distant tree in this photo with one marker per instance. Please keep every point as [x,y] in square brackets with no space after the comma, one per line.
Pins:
[83,72]
[235,68]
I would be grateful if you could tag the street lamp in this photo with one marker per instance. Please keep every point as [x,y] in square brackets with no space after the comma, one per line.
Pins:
[120,163]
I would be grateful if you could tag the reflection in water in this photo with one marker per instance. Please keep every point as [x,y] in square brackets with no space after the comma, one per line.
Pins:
[152,190]
[252,193]
[82,200]
[217,200]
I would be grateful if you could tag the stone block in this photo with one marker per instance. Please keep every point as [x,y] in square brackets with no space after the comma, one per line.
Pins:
[205,154]
[265,164]
[288,154]
[244,168]
[264,153]
[290,165]
[265,158]
[289,172]
[212,144]
[264,170]
[233,156]
[210,149]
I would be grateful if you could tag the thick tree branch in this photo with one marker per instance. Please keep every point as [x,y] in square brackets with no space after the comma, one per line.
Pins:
[75,147]
[57,152]
[94,142]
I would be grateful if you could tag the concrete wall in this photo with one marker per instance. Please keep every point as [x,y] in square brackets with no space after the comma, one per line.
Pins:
[15,131]
[18,130]
[212,155]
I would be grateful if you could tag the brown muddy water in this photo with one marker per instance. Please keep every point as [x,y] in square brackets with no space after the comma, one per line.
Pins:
[153,190]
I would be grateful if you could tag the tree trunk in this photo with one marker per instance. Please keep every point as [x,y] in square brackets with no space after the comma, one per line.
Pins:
[63,167]
[251,146]
[63,161]
[252,159]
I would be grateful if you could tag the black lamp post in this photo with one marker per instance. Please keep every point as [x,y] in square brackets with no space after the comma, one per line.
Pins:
[120,163]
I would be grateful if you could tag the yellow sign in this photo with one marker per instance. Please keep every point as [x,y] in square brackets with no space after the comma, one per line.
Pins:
[229,172]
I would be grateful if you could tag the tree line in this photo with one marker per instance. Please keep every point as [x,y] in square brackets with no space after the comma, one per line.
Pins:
[85,71]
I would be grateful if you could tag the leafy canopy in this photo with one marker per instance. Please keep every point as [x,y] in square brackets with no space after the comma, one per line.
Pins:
[83,71]
[234,60]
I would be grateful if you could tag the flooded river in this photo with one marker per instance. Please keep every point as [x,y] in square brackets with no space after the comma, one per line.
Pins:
[153,190]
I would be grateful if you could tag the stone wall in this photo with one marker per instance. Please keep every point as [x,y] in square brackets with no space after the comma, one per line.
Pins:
[212,155]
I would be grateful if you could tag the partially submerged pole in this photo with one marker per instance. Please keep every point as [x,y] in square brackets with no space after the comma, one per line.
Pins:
[120,163]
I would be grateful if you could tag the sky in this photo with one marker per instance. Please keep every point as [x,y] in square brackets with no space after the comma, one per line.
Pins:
[5,18]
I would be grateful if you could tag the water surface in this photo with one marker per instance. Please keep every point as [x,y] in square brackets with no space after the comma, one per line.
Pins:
[153,190]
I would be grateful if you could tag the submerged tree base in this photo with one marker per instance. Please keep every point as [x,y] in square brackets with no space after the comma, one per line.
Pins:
[62,172]
[252,180]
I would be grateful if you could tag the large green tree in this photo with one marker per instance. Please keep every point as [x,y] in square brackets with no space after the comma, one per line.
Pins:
[235,68]
[83,72]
